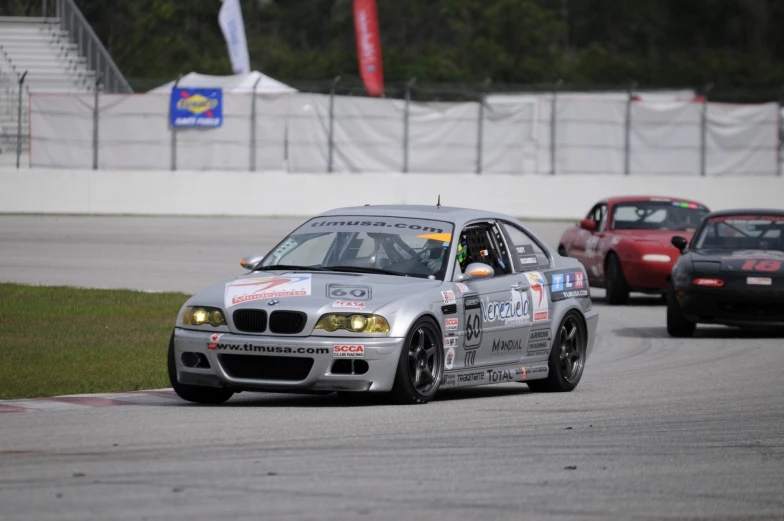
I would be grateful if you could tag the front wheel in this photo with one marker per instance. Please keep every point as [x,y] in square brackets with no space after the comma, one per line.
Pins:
[678,325]
[421,364]
[567,357]
[194,393]
[617,287]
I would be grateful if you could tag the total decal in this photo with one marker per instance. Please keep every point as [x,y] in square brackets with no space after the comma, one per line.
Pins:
[258,288]
[513,312]
[539,295]
[570,284]
[348,351]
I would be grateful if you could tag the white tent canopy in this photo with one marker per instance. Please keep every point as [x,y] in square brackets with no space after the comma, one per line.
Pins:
[232,83]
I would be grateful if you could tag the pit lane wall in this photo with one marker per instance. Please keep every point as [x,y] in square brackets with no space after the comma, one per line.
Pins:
[283,194]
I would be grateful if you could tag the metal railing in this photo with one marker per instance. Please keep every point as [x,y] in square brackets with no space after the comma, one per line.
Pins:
[88,44]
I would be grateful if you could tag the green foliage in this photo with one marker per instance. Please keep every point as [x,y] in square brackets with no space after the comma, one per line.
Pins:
[588,42]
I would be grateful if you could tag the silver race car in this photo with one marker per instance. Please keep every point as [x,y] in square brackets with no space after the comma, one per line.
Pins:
[404,300]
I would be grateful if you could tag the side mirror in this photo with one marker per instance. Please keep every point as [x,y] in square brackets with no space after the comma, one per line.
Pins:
[679,242]
[588,224]
[251,261]
[478,270]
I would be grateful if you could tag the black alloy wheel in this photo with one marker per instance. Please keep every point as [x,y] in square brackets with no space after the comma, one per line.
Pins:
[421,364]
[567,357]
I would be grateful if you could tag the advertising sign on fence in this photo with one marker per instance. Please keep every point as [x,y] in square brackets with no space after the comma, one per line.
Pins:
[196,107]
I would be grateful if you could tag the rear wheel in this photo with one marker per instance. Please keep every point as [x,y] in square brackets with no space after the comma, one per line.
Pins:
[617,287]
[194,393]
[567,357]
[562,251]
[421,364]
[677,324]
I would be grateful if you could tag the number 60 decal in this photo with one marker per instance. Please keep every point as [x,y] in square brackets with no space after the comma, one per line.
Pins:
[473,321]
[343,291]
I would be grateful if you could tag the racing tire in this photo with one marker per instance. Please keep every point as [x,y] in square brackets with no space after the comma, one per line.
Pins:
[567,357]
[421,364]
[678,326]
[194,393]
[562,251]
[615,283]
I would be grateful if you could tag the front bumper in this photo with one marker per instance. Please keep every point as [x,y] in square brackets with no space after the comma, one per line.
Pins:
[281,364]
[647,276]
[719,306]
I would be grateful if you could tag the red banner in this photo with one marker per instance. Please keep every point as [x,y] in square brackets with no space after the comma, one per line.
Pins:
[369,46]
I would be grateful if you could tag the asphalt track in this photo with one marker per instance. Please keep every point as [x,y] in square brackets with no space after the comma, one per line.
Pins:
[658,428]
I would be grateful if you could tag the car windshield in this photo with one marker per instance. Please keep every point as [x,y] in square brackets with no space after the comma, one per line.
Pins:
[742,232]
[657,215]
[391,245]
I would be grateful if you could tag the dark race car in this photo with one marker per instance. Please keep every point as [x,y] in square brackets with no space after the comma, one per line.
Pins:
[732,272]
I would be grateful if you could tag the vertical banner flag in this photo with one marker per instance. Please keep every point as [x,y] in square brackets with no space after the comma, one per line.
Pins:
[369,46]
[233,28]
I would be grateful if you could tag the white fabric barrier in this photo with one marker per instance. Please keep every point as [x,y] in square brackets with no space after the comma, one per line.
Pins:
[292,134]
[145,192]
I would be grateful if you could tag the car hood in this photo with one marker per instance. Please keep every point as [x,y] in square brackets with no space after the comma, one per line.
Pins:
[312,291]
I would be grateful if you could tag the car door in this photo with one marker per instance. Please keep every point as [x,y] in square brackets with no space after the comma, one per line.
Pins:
[586,244]
[531,259]
[496,309]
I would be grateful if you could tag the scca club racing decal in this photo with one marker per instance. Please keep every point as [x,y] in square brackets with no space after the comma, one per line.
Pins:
[257,288]
[539,295]
[348,351]
[451,324]
[568,284]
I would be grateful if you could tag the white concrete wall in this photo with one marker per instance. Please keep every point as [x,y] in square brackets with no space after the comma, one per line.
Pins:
[270,194]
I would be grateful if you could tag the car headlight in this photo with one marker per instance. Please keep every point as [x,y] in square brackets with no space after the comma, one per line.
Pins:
[353,323]
[200,315]
[656,257]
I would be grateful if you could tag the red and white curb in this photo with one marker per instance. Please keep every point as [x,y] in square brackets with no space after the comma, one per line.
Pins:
[88,401]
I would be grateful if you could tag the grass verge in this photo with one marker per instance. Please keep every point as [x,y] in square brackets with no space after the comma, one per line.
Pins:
[63,340]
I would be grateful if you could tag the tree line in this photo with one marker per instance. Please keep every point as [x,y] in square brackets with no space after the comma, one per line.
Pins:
[591,43]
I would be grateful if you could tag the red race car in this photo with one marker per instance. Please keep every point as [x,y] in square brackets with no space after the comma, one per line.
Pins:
[624,242]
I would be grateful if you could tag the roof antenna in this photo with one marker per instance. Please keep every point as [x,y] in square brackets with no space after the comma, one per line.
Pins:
[438,204]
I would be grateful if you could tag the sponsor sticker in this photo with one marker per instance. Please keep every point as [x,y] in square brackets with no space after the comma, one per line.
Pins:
[448,380]
[462,287]
[568,284]
[539,295]
[512,312]
[759,281]
[449,296]
[348,351]
[450,341]
[214,339]
[525,249]
[450,324]
[527,261]
[538,342]
[470,377]
[349,304]
[449,358]
[258,288]
[507,347]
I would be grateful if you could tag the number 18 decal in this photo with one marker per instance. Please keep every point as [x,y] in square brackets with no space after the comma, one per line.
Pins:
[761,265]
